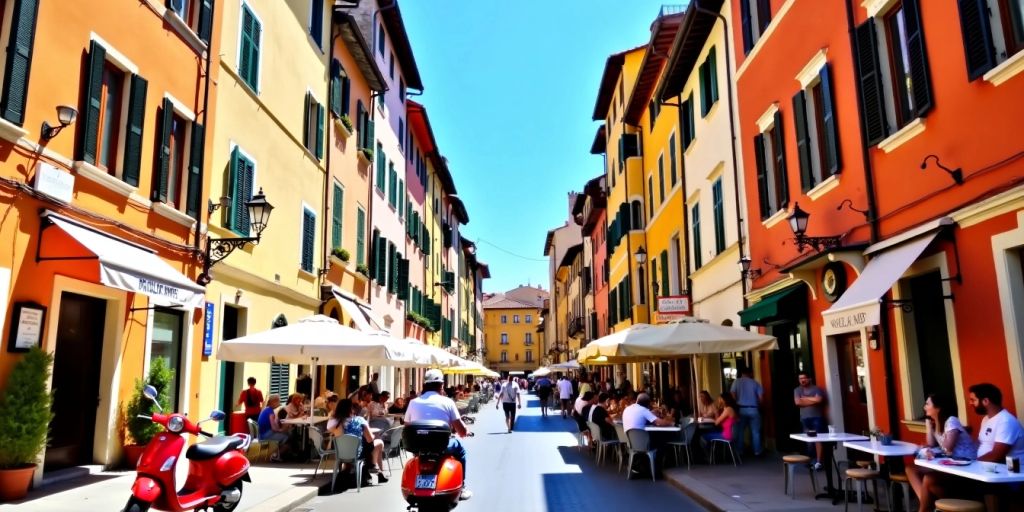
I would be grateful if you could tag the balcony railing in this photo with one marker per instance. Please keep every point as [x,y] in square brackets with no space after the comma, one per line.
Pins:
[669,9]
[576,326]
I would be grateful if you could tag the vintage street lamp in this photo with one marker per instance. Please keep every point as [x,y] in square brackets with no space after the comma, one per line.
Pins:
[798,223]
[219,248]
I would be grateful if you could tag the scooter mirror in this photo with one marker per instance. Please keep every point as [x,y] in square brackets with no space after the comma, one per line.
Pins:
[217,415]
[150,392]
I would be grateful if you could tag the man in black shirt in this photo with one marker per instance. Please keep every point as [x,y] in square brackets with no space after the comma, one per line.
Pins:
[598,413]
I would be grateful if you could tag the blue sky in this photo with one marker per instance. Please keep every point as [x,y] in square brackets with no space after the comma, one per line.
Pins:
[510,90]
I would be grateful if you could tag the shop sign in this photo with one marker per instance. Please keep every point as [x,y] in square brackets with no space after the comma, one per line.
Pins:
[208,330]
[673,307]
[54,182]
[851,319]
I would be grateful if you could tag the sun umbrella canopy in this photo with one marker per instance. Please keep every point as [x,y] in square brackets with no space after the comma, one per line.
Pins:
[317,338]
[568,365]
[429,356]
[471,368]
[541,372]
[644,342]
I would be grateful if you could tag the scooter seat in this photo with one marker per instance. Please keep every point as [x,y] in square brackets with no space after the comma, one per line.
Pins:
[213,447]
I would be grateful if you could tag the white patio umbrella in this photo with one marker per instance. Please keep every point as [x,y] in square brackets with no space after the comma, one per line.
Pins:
[316,340]
[429,356]
[644,342]
[568,365]
[542,371]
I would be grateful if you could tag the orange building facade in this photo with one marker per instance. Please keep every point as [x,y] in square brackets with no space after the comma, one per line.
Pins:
[885,272]
[104,214]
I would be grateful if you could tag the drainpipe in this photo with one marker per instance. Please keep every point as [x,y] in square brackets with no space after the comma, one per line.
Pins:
[206,126]
[884,334]
[325,254]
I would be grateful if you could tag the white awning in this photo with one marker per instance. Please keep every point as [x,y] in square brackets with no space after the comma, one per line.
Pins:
[359,312]
[131,267]
[860,306]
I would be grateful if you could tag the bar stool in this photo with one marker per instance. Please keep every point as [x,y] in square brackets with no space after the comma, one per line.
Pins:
[949,505]
[790,463]
[861,476]
[902,481]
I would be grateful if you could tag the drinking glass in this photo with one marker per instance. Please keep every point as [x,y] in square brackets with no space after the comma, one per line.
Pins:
[831,430]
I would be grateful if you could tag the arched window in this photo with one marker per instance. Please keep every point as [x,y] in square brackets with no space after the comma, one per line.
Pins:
[637,213]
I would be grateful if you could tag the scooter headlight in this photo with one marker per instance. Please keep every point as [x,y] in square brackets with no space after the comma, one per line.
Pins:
[176,424]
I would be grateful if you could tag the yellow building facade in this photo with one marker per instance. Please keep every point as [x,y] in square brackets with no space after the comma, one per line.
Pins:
[510,334]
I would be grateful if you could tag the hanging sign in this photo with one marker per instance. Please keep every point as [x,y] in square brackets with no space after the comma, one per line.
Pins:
[208,330]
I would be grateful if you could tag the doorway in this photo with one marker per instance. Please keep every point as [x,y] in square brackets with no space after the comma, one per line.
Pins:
[792,358]
[853,383]
[228,331]
[76,380]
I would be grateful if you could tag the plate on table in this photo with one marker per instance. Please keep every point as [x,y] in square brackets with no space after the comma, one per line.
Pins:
[955,462]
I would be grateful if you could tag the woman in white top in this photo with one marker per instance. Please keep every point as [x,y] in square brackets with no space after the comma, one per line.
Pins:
[951,441]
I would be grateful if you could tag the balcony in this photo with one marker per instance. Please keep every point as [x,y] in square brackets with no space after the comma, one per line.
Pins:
[576,327]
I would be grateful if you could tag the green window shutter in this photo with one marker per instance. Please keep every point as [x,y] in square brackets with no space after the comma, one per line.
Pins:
[305,122]
[346,93]
[762,176]
[382,261]
[369,131]
[245,50]
[336,86]
[316,25]
[650,196]
[665,291]
[195,171]
[381,167]
[673,175]
[713,75]
[254,50]
[89,133]
[392,262]
[833,161]
[19,60]
[308,239]
[241,193]
[702,83]
[869,72]
[782,186]
[425,240]
[319,130]
[718,207]
[695,226]
[206,20]
[403,279]
[401,198]
[360,236]
[360,125]
[133,136]
[803,141]
[163,156]
[336,216]
[228,214]
[374,243]
[392,185]
[661,182]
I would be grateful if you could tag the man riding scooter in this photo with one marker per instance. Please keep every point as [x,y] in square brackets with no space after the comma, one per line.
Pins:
[432,405]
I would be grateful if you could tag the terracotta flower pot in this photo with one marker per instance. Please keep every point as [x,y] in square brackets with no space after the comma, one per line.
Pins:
[14,482]
[132,452]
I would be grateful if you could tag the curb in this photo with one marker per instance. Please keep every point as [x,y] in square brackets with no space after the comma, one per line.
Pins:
[703,494]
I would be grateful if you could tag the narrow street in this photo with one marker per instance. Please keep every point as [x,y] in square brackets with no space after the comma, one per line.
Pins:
[536,468]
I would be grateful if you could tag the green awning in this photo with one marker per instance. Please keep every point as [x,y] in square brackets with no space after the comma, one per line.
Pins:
[770,308]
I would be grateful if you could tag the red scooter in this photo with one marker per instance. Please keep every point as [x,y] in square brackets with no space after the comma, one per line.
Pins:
[217,467]
[432,480]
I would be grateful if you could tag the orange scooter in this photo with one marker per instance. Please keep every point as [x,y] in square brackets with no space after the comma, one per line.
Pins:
[432,480]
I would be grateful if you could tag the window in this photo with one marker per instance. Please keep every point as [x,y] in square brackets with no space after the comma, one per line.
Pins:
[242,172]
[504,356]
[689,129]
[401,135]
[529,356]
[673,175]
[894,72]
[110,117]
[175,174]
[380,39]
[650,195]
[313,127]
[382,162]
[695,226]
[166,344]
[708,83]
[515,319]
[197,15]
[718,207]
[529,319]
[391,67]
[504,338]
[653,109]
[661,178]
[401,90]
[392,184]
[249,48]
[665,290]
[770,159]
[360,236]
[280,378]
[337,209]
[504,319]
[341,90]
[308,239]
[401,198]
[816,137]
[529,338]
[755,15]
[316,22]
[364,125]
[392,266]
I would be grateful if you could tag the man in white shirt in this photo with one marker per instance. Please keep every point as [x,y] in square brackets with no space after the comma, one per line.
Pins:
[1000,435]
[432,405]
[565,395]
[639,415]
[510,400]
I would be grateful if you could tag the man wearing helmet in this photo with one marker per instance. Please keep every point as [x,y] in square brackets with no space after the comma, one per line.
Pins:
[432,405]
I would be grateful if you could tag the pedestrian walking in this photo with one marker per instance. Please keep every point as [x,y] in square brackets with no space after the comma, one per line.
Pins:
[565,395]
[543,385]
[748,393]
[510,401]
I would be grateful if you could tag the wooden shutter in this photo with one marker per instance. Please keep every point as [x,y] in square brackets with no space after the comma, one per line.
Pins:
[713,75]
[241,192]
[703,82]
[919,73]
[336,216]
[369,131]
[781,176]
[195,171]
[346,91]
[803,141]
[279,377]
[613,297]
[403,279]
[762,176]
[764,14]
[316,25]
[833,161]
[19,60]
[335,99]
[977,34]
[360,125]
[745,21]
[392,276]
[133,135]
[163,156]
[360,236]
[425,240]
[869,71]
[373,253]
[89,134]
[308,239]
[206,20]
[306,134]
[245,51]
[664,275]
[382,261]
[319,130]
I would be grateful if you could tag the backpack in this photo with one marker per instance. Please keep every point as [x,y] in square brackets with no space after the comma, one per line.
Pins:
[250,401]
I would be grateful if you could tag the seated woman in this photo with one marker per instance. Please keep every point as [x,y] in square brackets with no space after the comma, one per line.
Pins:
[725,419]
[346,422]
[398,407]
[707,410]
[295,406]
[271,429]
[945,436]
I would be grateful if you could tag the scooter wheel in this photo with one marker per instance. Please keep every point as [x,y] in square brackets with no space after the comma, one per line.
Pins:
[136,505]
[224,506]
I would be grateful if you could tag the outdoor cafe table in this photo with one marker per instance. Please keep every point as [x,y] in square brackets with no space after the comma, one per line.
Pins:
[830,440]
[977,471]
[304,424]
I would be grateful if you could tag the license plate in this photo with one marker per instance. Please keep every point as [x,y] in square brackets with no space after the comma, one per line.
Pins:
[426,482]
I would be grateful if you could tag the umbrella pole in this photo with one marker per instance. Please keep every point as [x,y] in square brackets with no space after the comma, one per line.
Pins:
[693,374]
[313,389]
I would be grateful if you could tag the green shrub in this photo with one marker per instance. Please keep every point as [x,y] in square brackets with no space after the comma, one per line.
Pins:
[368,153]
[160,377]
[25,410]
[363,269]
[341,254]
[346,122]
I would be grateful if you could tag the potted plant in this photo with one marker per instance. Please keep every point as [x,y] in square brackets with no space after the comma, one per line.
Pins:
[141,431]
[367,153]
[346,122]
[363,269]
[880,437]
[341,254]
[24,422]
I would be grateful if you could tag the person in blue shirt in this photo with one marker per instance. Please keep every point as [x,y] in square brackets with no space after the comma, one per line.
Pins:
[270,428]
